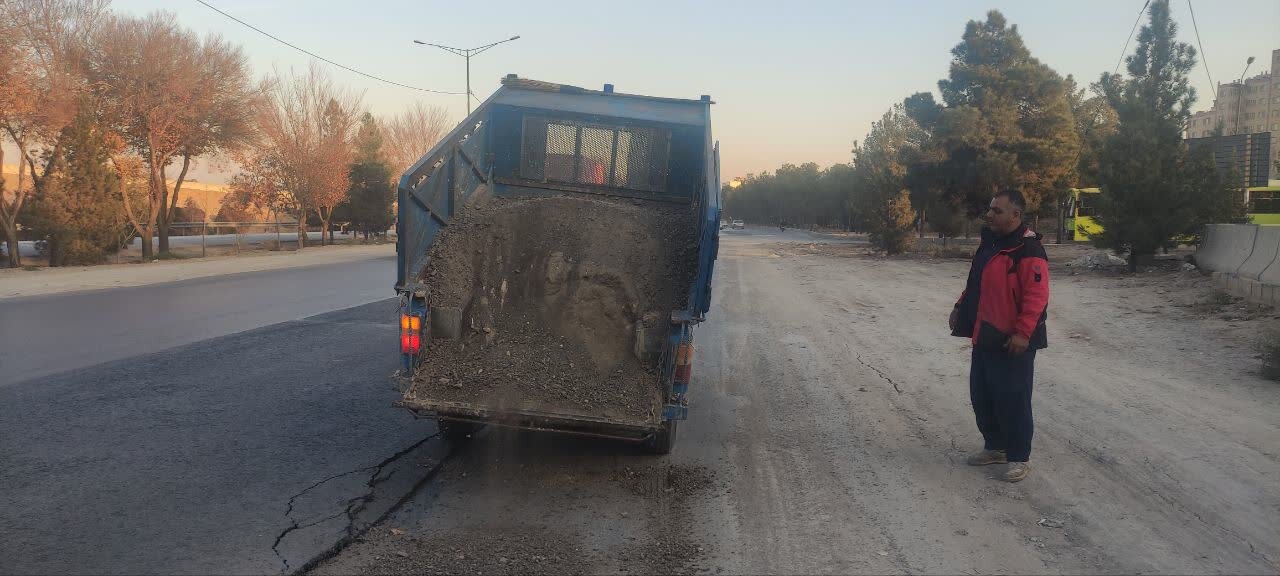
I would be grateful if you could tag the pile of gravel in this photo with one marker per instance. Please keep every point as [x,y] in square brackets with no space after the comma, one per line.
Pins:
[565,302]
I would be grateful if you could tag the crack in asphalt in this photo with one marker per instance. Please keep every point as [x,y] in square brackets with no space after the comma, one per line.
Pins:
[879,373]
[353,506]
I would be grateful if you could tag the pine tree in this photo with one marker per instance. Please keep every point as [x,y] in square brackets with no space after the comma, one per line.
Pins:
[371,194]
[896,233]
[1007,120]
[1154,190]
[879,186]
[79,212]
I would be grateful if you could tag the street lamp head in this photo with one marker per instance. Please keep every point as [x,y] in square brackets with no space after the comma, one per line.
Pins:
[517,37]
[419,42]
[1249,61]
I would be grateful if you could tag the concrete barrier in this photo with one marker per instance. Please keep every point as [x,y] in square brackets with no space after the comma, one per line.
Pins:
[1240,240]
[1212,250]
[1244,260]
[1272,274]
[1226,247]
[1266,246]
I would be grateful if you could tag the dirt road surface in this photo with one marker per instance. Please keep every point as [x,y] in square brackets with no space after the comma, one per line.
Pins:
[829,421]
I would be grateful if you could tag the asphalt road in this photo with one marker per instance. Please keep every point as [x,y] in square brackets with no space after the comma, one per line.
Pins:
[42,335]
[202,426]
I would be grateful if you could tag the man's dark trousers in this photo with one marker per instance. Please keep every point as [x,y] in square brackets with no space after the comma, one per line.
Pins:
[1000,388]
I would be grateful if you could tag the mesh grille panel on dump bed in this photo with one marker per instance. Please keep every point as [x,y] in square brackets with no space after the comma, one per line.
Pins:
[632,157]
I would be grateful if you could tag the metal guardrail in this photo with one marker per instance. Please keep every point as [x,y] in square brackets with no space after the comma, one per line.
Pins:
[240,229]
[285,232]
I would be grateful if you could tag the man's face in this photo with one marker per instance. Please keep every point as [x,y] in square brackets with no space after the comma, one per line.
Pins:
[1002,217]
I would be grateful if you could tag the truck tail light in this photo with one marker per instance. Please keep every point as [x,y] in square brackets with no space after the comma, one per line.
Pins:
[410,333]
[684,354]
[410,343]
[410,322]
[684,362]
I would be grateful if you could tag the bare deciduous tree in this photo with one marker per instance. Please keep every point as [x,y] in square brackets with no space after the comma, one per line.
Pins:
[17,103]
[412,133]
[41,84]
[337,150]
[306,128]
[145,72]
[221,116]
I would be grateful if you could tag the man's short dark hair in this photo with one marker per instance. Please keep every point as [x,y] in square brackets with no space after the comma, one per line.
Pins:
[1015,197]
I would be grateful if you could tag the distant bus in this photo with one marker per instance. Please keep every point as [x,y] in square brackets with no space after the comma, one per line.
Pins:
[1264,205]
[1263,202]
[1081,210]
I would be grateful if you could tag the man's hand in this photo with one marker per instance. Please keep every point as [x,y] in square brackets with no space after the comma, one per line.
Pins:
[1016,345]
[954,319]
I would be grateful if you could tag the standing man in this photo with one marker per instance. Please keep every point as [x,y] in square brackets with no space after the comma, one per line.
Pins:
[1002,311]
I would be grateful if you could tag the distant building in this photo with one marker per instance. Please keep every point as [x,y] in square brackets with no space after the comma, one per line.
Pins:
[1250,108]
[1250,154]
[206,195]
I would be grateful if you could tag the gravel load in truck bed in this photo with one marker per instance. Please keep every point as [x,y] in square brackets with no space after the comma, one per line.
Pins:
[564,300]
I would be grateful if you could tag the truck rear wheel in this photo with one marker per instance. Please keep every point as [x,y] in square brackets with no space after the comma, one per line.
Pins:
[455,432]
[663,440]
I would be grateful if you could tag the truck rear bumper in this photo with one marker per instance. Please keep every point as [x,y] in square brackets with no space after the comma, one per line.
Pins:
[534,420]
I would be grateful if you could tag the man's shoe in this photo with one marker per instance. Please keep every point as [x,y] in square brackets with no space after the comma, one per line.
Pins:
[986,457]
[1016,471]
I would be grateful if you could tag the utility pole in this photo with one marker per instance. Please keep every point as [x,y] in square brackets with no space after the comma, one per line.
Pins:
[1239,95]
[467,53]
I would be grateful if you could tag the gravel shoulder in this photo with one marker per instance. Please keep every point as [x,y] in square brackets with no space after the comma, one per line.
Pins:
[15,283]
[829,420]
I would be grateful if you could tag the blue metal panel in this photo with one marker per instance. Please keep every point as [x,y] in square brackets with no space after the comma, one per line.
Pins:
[690,112]
[433,187]
[709,229]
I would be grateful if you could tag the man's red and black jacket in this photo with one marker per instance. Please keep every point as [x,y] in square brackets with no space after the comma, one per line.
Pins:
[1008,288]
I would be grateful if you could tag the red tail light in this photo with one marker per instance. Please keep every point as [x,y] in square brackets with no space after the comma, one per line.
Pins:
[410,343]
[684,354]
[410,333]
[684,362]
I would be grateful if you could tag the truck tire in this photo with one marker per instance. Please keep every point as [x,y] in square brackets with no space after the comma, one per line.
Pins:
[455,432]
[663,440]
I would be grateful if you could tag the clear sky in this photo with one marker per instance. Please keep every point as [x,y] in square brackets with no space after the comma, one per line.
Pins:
[794,81]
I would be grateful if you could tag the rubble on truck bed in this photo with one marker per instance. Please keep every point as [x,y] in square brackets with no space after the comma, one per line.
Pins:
[561,304]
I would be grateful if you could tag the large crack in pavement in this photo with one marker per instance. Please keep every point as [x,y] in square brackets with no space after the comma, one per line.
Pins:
[878,372]
[353,506]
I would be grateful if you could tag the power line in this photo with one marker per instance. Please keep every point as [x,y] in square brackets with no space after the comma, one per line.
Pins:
[1126,42]
[322,58]
[1203,58]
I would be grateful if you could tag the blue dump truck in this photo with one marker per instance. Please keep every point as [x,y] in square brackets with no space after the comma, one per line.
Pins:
[554,253]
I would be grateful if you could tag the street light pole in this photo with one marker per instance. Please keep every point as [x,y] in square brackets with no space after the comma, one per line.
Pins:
[1239,95]
[466,54]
